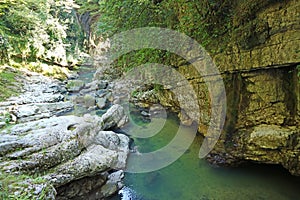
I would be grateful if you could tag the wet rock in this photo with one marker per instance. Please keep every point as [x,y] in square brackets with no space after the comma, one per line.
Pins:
[128,193]
[113,183]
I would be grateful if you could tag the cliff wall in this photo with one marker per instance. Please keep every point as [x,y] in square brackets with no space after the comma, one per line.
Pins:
[261,78]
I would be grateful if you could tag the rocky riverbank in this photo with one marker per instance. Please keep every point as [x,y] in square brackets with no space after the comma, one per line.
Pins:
[46,154]
[260,71]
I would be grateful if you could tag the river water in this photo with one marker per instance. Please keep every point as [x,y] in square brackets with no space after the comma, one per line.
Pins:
[191,178]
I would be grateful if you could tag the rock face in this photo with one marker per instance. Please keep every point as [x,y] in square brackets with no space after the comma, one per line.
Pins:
[260,75]
[72,157]
[263,92]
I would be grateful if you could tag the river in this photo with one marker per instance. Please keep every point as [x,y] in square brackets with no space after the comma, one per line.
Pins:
[191,178]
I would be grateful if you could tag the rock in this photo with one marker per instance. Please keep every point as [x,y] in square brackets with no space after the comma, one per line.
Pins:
[75,85]
[56,88]
[101,102]
[92,161]
[73,155]
[75,189]
[89,101]
[270,144]
[102,84]
[71,147]
[270,137]
[145,114]
[128,193]
[89,87]
[114,118]
[101,93]
[2,124]
[113,141]
[109,96]
[34,189]
[31,112]
[113,183]
[86,101]
[274,145]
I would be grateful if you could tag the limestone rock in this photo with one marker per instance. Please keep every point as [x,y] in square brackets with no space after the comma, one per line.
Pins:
[31,112]
[113,183]
[72,147]
[101,102]
[115,117]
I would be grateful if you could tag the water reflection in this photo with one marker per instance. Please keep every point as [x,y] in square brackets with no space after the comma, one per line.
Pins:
[190,178]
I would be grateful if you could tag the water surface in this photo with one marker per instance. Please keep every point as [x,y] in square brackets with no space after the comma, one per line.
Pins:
[191,178]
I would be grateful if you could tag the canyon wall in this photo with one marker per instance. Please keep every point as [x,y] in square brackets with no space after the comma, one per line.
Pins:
[260,74]
[260,70]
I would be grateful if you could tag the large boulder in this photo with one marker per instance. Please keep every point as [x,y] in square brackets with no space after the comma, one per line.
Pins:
[115,117]
[67,149]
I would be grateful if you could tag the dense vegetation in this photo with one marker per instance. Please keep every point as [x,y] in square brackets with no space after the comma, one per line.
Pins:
[48,30]
[213,23]
[8,85]
[39,30]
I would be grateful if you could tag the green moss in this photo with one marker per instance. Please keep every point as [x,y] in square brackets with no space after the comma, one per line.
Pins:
[17,186]
[74,83]
[8,84]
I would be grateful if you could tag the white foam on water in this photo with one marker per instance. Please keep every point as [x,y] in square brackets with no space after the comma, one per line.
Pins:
[127,193]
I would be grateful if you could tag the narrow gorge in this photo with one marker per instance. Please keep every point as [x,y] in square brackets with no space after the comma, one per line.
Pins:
[73,118]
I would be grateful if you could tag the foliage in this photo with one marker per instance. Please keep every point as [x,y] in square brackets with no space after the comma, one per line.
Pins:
[193,17]
[203,20]
[32,30]
[213,23]
[8,85]
[17,186]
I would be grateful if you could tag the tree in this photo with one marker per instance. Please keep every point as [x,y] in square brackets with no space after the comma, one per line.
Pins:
[39,29]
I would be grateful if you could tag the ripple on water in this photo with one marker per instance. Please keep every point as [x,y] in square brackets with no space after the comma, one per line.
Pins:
[129,194]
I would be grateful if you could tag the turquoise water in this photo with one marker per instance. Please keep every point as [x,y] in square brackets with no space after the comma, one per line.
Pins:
[191,178]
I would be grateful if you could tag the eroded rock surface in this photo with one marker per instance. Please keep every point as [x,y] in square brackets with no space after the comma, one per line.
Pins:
[63,152]
[260,71]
